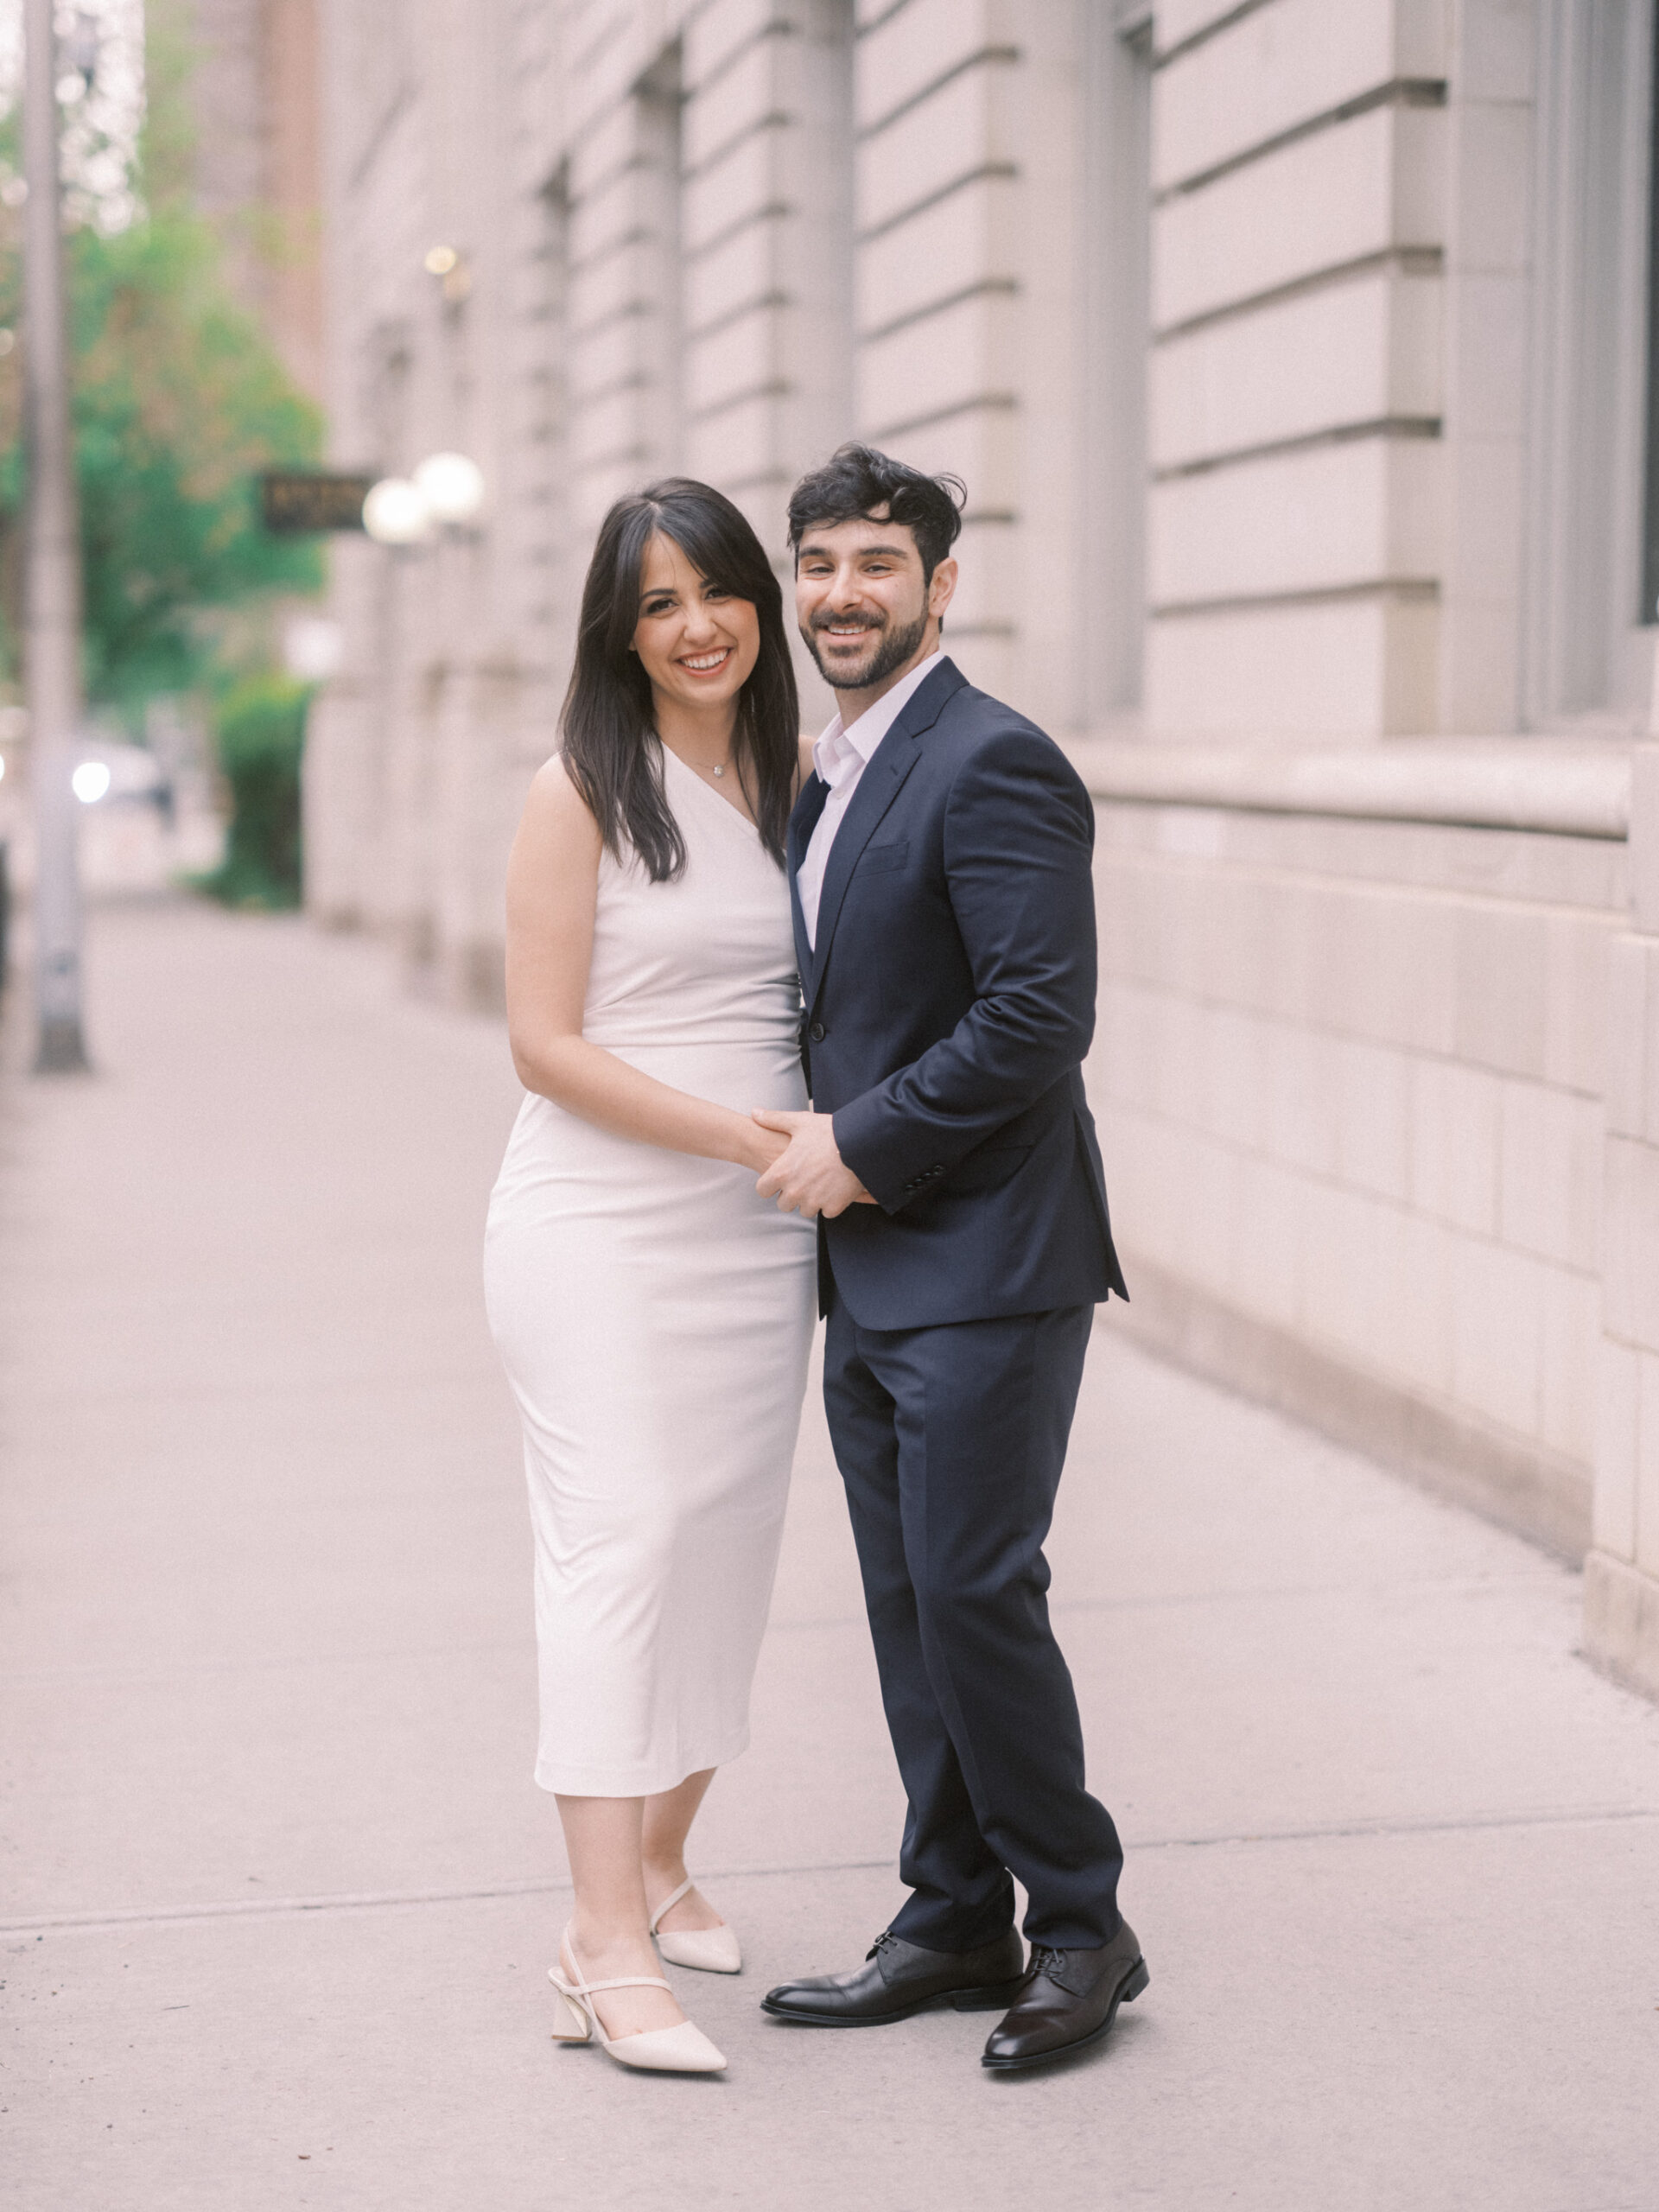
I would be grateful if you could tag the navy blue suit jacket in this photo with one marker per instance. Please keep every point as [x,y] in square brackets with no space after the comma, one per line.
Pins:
[948,1007]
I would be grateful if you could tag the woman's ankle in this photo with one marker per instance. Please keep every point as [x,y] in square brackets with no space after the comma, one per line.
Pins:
[595,1938]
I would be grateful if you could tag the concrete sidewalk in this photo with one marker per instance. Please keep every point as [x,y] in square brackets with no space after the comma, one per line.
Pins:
[279,1891]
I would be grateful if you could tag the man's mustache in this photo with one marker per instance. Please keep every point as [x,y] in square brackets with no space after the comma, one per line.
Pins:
[844,622]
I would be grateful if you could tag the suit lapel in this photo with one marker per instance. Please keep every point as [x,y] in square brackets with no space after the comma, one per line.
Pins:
[878,787]
[802,820]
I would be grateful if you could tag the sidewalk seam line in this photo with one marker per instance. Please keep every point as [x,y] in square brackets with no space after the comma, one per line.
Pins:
[369,1901]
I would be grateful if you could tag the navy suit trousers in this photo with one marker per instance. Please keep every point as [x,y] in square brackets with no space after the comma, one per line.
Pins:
[950,1440]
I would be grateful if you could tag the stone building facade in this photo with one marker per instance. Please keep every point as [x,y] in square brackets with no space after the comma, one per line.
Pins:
[1296,356]
[255,99]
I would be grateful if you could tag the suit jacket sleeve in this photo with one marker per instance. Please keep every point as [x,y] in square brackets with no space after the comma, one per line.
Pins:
[1019,840]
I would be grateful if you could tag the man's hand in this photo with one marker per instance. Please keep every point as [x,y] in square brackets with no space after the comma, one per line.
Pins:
[809,1176]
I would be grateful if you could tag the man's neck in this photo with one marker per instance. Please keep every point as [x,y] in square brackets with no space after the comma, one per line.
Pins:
[854,705]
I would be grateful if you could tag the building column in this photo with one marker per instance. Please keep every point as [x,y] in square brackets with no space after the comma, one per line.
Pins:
[1621,1595]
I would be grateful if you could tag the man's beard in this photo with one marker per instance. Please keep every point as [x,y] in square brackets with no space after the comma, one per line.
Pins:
[895,649]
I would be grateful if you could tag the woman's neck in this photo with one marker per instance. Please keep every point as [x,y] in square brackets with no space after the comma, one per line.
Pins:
[696,732]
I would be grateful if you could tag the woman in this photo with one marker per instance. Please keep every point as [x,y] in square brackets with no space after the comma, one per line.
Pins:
[653,1312]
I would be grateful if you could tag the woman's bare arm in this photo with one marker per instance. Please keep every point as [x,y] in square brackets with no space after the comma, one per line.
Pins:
[552,886]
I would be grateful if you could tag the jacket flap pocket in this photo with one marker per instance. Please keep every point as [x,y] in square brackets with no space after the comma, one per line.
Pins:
[883,856]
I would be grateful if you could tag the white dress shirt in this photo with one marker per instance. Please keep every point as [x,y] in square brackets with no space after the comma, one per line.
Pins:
[841,756]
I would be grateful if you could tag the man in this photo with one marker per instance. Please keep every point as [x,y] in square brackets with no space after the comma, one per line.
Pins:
[945,926]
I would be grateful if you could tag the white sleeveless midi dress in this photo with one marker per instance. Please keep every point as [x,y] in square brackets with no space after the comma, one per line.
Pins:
[655,1317]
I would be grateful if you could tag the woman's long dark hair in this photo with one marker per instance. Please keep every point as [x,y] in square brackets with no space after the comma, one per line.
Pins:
[610,754]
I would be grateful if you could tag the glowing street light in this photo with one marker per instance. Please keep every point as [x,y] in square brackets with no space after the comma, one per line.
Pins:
[396,513]
[452,486]
[90,782]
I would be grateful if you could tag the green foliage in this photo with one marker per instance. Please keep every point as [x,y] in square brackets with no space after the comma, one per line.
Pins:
[259,725]
[179,402]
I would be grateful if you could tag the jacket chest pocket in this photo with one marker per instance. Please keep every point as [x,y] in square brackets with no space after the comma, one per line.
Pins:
[875,858]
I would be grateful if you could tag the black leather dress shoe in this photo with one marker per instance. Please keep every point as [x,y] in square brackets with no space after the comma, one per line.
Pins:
[1069,2001]
[898,1978]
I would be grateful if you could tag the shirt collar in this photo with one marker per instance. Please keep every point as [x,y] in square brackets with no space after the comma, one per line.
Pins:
[833,754]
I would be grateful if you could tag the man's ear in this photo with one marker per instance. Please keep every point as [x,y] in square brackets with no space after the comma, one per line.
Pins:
[942,589]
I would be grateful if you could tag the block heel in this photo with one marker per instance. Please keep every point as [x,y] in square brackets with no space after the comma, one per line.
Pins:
[1137,1982]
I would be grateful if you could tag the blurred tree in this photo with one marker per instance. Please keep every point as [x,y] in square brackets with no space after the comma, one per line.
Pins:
[259,726]
[180,401]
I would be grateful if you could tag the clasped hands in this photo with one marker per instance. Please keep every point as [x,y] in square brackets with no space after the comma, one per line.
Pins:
[809,1176]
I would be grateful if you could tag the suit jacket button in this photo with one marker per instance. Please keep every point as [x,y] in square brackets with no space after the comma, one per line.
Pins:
[815,1032]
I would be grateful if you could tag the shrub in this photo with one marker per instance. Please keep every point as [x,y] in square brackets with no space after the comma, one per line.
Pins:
[259,726]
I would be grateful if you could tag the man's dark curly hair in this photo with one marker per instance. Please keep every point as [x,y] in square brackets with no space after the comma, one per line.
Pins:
[857,480]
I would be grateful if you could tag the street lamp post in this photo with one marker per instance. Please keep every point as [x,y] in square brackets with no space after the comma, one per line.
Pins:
[52,591]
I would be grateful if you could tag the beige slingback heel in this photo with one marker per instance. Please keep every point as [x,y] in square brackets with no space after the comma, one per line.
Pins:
[710,1950]
[682,2050]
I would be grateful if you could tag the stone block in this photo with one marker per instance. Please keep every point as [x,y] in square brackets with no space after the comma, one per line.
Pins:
[906,49]
[1230,919]
[1619,1445]
[1550,1175]
[1329,516]
[1179,20]
[735,97]
[1572,1344]
[1353,352]
[1301,1114]
[740,357]
[1632,1004]
[1380,966]
[1348,668]
[944,362]
[1490,334]
[962,127]
[1122,1063]
[1479,654]
[1267,1243]
[1644,838]
[1454,1144]
[1501,955]
[742,177]
[1621,1621]
[1411,1320]
[1647,1469]
[1340,1290]
[741,269]
[716,37]
[1368,184]
[731,444]
[1373,1114]
[1493,157]
[1179,1072]
[1485,492]
[1239,1046]
[1495,56]
[1630,1241]
[1287,910]
[1261,76]
[1497,1343]
[1576,983]
[944,249]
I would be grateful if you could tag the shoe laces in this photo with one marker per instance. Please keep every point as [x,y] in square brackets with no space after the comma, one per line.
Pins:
[1046,1959]
[881,1942]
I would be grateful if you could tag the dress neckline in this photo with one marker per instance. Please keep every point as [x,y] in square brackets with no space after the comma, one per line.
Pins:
[714,798]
